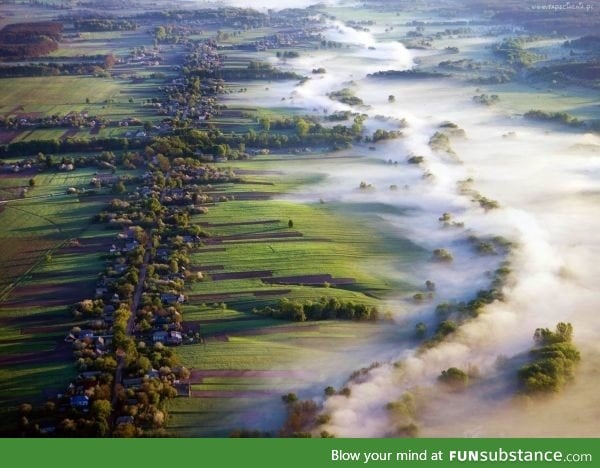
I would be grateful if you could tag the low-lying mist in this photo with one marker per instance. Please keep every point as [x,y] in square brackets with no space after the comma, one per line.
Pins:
[544,180]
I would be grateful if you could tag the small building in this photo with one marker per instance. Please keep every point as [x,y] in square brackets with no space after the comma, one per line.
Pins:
[81,402]
[135,382]
[86,334]
[171,299]
[174,338]
[160,337]
[124,420]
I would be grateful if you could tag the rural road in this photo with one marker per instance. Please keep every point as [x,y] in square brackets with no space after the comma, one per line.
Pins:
[131,322]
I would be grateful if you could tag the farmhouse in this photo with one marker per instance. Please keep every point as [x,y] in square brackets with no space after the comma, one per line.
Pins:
[81,402]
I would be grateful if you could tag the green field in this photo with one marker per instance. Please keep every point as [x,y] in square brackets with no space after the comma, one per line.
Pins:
[340,241]
[42,277]
[61,95]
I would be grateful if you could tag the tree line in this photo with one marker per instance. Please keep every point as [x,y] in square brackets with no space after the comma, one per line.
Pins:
[324,309]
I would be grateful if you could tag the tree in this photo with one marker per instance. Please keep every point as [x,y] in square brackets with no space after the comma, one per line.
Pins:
[119,187]
[420,330]
[101,409]
[302,128]
[109,61]
[391,98]
[32,182]
[562,334]
[289,398]
[265,123]
[290,224]
[455,378]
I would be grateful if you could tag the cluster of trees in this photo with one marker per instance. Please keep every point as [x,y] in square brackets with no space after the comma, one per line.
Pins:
[25,40]
[454,378]
[578,71]
[346,96]
[244,18]
[553,361]
[453,314]
[486,99]
[380,135]
[287,54]
[514,53]
[408,74]
[403,413]
[324,309]
[103,24]
[70,145]
[254,71]
[301,417]
[95,67]
[556,117]
[34,421]
[88,308]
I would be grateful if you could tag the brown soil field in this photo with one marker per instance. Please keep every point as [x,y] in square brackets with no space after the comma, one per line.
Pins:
[241,223]
[233,393]
[309,279]
[6,136]
[198,375]
[272,292]
[207,267]
[61,352]
[47,295]
[71,132]
[17,255]
[242,275]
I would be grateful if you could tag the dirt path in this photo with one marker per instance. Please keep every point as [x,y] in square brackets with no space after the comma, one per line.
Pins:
[131,322]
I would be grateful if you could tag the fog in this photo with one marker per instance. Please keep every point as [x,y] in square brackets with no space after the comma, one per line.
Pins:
[274,4]
[545,180]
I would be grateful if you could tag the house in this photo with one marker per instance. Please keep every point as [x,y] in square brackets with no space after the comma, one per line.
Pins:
[81,402]
[162,255]
[70,338]
[171,299]
[133,382]
[174,338]
[160,337]
[124,420]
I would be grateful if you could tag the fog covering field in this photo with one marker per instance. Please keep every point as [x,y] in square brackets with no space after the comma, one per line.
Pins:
[545,180]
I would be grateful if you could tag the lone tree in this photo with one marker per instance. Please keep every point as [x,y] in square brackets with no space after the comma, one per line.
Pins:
[455,378]
[32,182]
[290,224]
[265,123]
[391,98]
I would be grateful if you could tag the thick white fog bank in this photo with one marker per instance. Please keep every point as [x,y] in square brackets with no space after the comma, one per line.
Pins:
[547,188]
[274,4]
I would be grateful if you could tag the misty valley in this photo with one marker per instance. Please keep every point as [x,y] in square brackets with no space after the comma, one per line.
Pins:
[345,219]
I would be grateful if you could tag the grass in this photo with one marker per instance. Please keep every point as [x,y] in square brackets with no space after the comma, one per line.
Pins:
[331,243]
[59,95]
[515,97]
[108,98]
[19,384]
[336,240]
[32,230]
